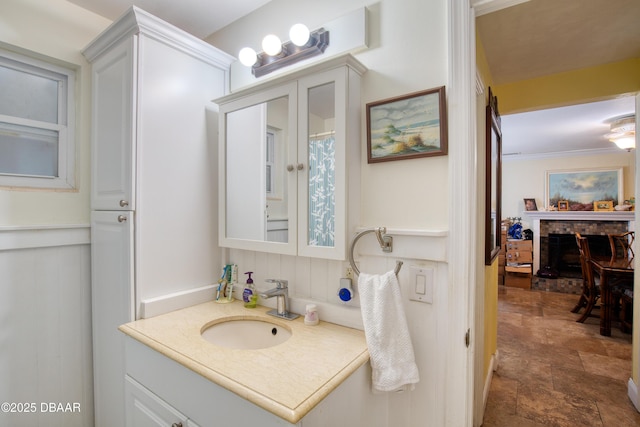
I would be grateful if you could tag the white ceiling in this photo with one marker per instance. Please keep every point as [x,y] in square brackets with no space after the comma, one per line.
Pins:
[531,39]
[542,37]
[572,128]
[198,17]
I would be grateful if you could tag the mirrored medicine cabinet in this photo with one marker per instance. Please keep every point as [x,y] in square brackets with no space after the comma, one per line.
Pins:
[285,144]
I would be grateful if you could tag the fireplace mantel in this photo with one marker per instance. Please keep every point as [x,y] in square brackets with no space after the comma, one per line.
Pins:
[534,217]
[580,215]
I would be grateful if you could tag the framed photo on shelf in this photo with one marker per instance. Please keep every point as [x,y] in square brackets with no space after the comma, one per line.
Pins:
[603,205]
[530,205]
[563,205]
[407,126]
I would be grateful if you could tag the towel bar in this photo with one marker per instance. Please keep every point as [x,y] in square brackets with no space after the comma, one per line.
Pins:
[386,244]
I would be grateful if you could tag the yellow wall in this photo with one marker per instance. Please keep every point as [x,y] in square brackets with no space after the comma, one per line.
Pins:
[570,88]
[490,285]
[482,64]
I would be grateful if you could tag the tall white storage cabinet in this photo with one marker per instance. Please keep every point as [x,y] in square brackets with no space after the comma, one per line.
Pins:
[154,180]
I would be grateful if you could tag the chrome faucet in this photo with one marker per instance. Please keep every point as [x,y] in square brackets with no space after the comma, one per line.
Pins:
[281,292]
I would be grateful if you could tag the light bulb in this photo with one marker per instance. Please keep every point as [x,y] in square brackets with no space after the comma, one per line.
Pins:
[247,56]
[299,34]
[271,45]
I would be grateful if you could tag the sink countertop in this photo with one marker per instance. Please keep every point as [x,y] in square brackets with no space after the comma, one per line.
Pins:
[287,380]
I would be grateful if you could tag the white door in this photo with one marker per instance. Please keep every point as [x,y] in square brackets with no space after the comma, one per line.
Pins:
[112,305]
[113,126]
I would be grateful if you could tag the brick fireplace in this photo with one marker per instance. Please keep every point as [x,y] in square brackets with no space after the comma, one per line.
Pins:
[554,243]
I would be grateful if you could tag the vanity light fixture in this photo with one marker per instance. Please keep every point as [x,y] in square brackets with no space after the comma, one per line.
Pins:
[623,132]
[271,45]
[275,55]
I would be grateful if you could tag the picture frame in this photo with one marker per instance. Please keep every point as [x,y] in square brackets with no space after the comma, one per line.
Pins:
[530,205]
[580,188]
[563,205]
[493,181]
[603,205]
[407,126]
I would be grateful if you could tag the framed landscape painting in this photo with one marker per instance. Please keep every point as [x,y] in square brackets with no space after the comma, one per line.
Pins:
[408,126]
[580,188]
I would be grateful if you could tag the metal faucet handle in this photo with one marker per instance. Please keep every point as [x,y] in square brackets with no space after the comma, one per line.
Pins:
[280,283]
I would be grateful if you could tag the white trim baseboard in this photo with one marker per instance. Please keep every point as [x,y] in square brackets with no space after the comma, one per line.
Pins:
[43,236]
[493,366]
[164,304]
[632,392]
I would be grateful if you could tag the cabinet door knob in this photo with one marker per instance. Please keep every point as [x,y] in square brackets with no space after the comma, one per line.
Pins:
[176,425]
[122,218]
[124,203]
[290,168]
[300,166]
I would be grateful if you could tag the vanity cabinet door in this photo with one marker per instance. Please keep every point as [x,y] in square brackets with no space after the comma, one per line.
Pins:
[145,409]
[112,302]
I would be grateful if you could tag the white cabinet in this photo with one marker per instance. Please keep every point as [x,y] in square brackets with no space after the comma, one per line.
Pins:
[153,150]
[191,396]
[113,157]
[111,306]
[290,154]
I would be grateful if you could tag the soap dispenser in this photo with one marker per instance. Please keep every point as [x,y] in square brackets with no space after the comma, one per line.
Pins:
[249,295]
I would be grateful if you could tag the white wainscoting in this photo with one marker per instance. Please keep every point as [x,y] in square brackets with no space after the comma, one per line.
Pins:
[45,324]
[317,281]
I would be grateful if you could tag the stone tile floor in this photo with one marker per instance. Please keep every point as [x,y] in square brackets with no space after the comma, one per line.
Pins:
[553,371]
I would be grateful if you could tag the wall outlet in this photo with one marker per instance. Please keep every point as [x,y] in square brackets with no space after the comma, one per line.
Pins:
[349,274]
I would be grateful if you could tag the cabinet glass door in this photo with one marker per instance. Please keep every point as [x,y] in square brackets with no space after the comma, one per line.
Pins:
[322,188]
[321,155]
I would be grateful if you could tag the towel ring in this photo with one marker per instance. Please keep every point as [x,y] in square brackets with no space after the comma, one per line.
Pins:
[386,244]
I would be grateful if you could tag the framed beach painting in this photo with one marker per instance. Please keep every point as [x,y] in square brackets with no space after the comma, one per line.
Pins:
[578,189]
[408,126]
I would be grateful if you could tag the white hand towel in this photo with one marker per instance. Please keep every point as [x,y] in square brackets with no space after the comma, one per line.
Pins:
[387,334]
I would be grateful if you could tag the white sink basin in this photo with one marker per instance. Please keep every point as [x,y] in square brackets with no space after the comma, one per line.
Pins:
[246,334]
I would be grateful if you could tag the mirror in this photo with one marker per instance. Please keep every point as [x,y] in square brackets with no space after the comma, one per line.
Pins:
[256,187]
[321,157]
[493,180]
[280,169]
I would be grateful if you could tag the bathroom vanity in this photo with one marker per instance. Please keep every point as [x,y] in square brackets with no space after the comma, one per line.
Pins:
[285,144]
[176,375]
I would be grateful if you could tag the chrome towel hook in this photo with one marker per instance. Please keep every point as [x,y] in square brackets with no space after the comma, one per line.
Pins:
[386,244]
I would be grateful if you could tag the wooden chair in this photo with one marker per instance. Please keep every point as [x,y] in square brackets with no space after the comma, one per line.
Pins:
[590,289]
[626,309]
[622,289]
[622,245]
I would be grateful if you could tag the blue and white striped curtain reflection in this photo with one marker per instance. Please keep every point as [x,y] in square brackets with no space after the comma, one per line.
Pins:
[321,191]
